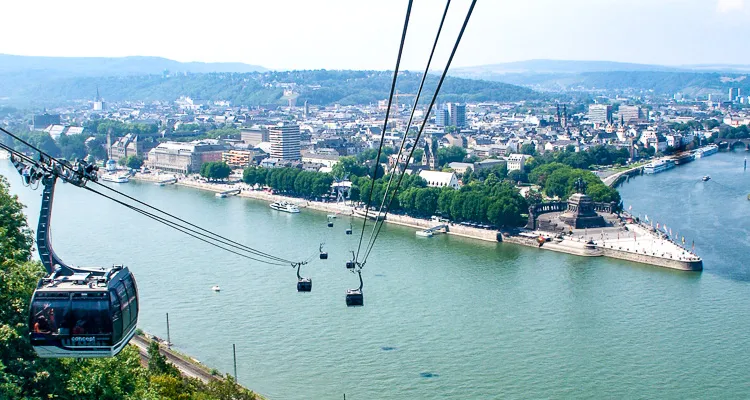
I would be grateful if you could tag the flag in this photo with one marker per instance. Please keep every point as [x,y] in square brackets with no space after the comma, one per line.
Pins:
[646,217]
[692,248]
[670,231]
[665,228]
[657,225]
[683,240]
[630,208]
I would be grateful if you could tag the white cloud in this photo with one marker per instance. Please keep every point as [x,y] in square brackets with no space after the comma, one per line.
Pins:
[730,5]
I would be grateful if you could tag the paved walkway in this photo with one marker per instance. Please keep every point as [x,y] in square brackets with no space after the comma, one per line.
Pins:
[186,368]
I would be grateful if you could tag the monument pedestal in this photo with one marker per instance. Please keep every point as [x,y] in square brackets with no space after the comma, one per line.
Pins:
[581,214]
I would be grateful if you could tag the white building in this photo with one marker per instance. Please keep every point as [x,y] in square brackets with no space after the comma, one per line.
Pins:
[285,141]
[600,113]
[516,162]
[440,179]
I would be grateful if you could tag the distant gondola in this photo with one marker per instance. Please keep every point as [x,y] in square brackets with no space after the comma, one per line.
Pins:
[354,297]
[323,254]
[303,284]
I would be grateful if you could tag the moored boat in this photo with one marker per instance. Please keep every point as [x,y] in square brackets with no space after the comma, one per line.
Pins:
[122,178]
[284,206]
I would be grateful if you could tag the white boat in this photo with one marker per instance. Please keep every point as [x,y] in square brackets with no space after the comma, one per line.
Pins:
[284,206]
[424,233]
[122,178]
[216,288]
[658,166]
[706,178]
[706,151]
[221,195]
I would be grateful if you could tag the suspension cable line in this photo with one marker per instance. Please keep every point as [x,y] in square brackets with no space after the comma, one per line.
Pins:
[208,234]
[385,126]
[424,122]
[406,133]
[185,230]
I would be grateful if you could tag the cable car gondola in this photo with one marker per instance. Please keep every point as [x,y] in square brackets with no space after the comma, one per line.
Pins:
[78,312]
[349,230]
[352,263]
[323,254]
[354,297]
[303,284]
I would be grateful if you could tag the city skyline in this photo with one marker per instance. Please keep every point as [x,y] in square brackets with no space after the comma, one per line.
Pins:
[337,34]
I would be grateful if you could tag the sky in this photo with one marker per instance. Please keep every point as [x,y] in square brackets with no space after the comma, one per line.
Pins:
[364,34]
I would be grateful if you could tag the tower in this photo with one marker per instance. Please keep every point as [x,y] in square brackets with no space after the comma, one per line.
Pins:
[99,104]
[285,141]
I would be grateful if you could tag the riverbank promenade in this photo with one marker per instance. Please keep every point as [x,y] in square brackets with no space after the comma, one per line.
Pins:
[621,240]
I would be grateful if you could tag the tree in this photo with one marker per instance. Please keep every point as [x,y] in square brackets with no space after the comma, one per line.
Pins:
[157,362]
[447,155]
[347,167]
[518,176]
[418,154]
[134,162]
[468,176]
[215,170]
[528,148]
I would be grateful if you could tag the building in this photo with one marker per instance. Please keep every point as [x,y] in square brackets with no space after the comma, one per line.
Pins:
[285,141]
[630,113]
[42,121]
[734,94]
[239,158]
[125,147]
[184,158]
[328,160]
[460,167]
[99,104]
[440,179]
[457,114]
[600,113]
[430,156]
[442,116]
[516,162]
[253,136]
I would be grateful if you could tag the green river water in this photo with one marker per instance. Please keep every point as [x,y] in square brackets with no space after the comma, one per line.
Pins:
[444,317]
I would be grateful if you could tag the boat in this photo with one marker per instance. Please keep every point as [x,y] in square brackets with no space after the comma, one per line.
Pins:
[683,158]
[216,288]
[122,178]
[331,216]
[221,195]
[658,166]
[424,233]
[706,151]
[284,206]
[706,178]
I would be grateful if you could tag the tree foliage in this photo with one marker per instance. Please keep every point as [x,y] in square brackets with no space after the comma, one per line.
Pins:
[134,162]
[215,170]
[292,181]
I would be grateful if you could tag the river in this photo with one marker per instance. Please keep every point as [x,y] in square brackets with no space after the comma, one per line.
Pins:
[444,317]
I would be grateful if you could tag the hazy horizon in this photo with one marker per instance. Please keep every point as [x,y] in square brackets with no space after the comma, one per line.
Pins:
[340,34]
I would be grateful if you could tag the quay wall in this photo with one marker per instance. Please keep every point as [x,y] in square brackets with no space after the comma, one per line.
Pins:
[454,229]
[624,176]
[683,265]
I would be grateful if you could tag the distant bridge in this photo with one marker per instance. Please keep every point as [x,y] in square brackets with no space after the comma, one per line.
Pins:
[736,143]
